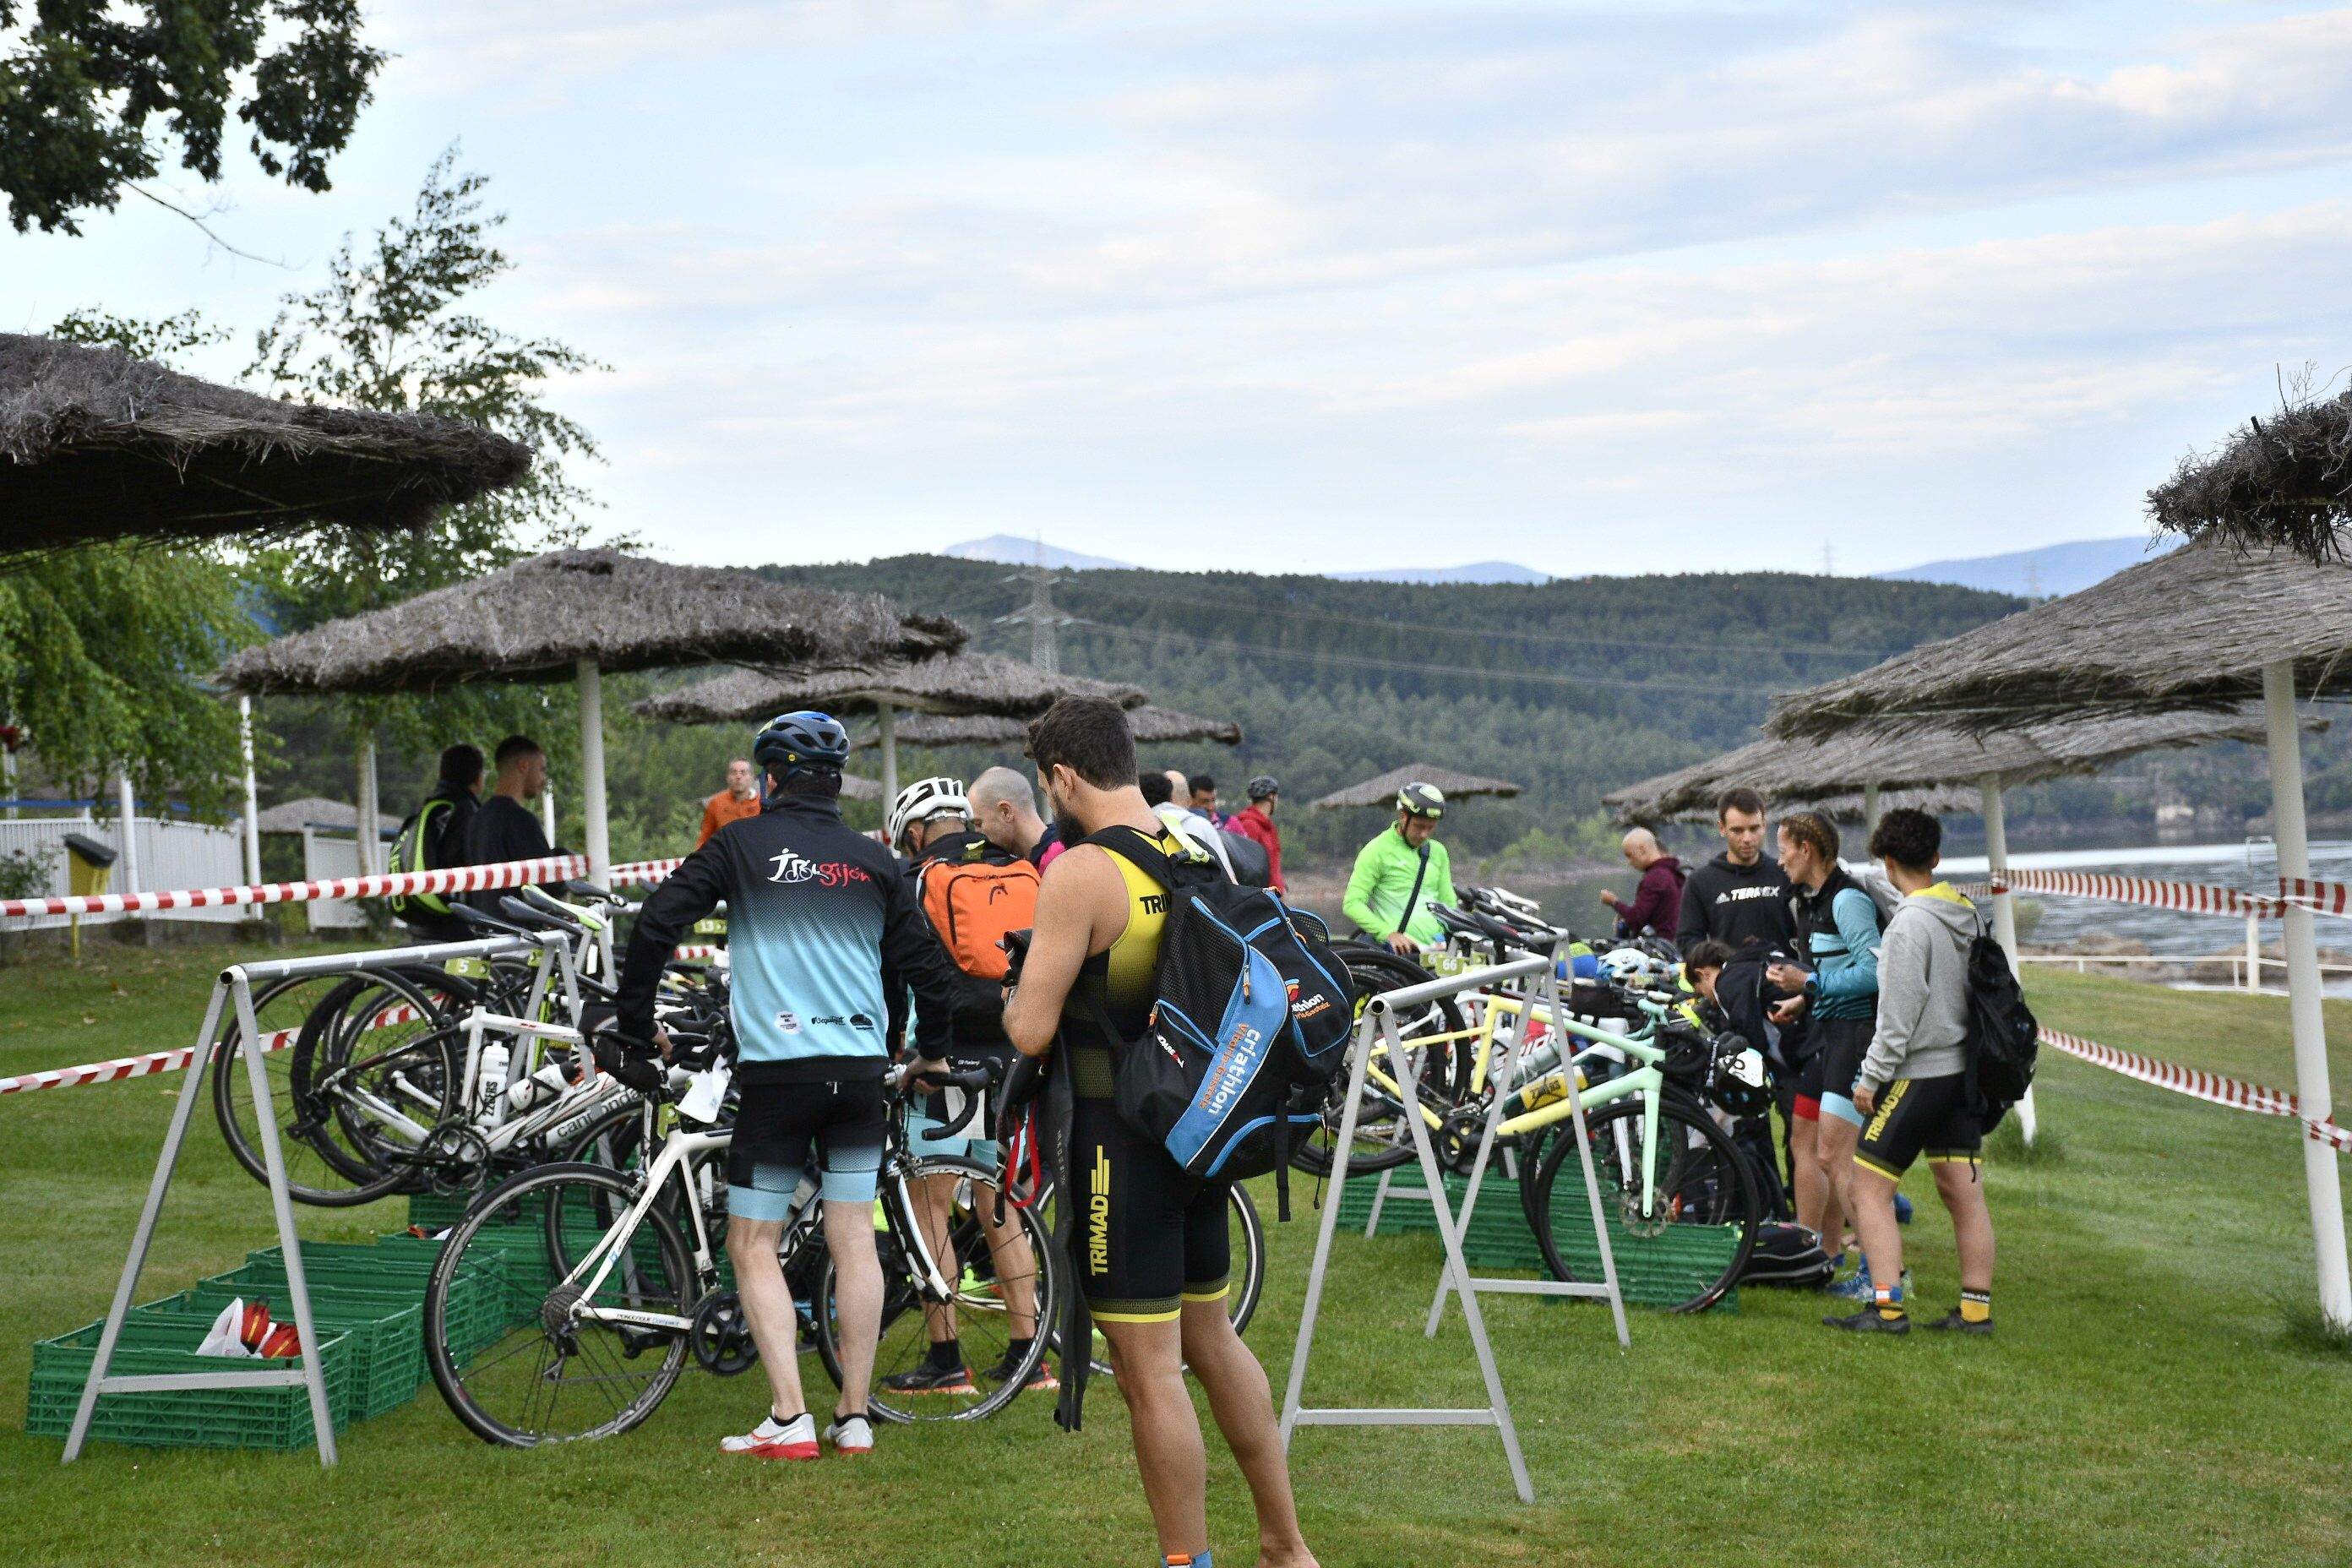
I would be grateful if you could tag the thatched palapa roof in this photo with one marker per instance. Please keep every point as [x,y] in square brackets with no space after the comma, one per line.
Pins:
[1150,725]
[2283,480]
[537,619]
[2191,630]
[1382,791]
[313,811]
[1792,772]
[95,445]
[964,685]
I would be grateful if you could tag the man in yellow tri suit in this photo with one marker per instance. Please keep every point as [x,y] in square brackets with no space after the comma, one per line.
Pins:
[1157,1248]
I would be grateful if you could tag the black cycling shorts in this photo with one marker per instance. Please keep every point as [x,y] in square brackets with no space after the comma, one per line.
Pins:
[1920,1115]
[776,1124]
[1839,1045]
[1150,1237]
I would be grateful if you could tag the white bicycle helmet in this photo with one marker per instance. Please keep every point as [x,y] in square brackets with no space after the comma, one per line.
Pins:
[921,801]
[1625,965]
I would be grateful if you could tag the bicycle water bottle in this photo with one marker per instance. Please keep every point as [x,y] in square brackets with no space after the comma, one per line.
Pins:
[491,1083]
[539,1087]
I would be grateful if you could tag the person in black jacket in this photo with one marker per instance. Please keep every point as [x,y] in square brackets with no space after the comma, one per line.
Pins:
[1741,897]
[817,913]
[446,814]
[506,827]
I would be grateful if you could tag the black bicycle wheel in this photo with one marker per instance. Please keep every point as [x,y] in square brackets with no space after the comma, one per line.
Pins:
[1013,1292]
[1248,1276]
[1691,1244]
[549,1375]
[1382,1137]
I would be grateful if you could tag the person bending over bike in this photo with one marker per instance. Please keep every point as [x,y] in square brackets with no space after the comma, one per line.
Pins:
[1157,1251]
[1402,873]
[815,913]
[971,892]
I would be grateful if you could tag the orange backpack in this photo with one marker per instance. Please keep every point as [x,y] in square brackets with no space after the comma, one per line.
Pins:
[972,903]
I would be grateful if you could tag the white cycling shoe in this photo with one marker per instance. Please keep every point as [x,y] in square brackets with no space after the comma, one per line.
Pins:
[774,1440]
[851,1436]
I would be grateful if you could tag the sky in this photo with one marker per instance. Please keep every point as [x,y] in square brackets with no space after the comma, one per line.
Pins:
[1339,286]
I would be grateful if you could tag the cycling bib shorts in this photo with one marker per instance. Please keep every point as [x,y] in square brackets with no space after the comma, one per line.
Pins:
[1153,1237]
[1921,1115]
[777,1126]
[1826,1083]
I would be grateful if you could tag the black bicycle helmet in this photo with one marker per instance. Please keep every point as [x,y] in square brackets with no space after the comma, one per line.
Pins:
[1421,800]
[1264,785]
[790,743]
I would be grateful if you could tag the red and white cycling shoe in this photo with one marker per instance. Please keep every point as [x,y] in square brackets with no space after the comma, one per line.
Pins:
[774,1440]
[852,1437]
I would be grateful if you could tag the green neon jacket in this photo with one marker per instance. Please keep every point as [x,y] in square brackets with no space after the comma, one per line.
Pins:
[1383,877]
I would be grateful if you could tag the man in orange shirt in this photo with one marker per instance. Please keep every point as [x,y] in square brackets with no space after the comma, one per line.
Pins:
[739,800]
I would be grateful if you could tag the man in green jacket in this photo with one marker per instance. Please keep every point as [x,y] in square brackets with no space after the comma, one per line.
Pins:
[1402,873]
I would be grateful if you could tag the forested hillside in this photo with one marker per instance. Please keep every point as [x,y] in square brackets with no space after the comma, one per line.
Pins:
[1568,688]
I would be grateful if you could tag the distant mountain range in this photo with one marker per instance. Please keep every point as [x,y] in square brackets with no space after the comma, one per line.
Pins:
[1017,552]
[2040,574]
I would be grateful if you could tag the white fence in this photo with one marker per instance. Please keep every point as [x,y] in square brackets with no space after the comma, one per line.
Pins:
[169,854]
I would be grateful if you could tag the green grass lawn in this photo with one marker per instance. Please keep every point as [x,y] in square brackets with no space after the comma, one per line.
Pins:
[2147,1400]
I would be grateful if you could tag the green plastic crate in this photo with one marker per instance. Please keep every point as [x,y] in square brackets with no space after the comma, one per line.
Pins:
[434,1212]
[1660,1270]
[530,1272]
[257,1417]
[387,1335]
[477,1297]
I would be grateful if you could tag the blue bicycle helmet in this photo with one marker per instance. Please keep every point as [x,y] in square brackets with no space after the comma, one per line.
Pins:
[790,743]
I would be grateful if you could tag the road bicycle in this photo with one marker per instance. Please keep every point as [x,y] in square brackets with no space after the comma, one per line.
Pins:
[621,1282]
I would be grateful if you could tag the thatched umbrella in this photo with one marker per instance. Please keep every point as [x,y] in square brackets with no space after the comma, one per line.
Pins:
[1382,791]
[575,613]
[2285,480]
[1150,725]
[964,685]
[95,445]
[313,811]
[2205,628]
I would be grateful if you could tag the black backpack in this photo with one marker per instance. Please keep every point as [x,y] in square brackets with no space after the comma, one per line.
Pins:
[1787,1255]
[1248,1028]
[2003,1036]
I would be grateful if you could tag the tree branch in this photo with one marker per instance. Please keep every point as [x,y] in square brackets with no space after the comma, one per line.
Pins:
[205,229]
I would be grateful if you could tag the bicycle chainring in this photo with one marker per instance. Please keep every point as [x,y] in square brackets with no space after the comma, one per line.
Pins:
[720,1335]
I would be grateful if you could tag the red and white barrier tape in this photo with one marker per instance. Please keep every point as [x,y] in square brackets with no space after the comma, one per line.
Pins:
[2188,898]
[2320,898]
[454,880]
[121,1068]
[2209,1086]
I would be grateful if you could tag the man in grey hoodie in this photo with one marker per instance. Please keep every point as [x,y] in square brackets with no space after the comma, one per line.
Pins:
[1912,1086]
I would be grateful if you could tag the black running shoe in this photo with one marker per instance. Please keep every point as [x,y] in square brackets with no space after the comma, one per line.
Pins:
[1869,1321]
[1041,1376]
[929,1379]
[1952,1323]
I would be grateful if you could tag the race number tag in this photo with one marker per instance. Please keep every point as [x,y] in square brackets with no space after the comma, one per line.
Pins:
[466,968]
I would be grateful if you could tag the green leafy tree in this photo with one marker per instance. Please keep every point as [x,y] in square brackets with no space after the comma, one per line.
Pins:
[394,329]
[94,98]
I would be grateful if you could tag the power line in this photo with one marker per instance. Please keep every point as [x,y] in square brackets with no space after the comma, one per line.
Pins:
[1384,623]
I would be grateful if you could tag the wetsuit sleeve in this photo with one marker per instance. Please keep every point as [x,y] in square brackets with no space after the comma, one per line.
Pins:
[684,897]
[1357,904]
[1857,921]
[911,955]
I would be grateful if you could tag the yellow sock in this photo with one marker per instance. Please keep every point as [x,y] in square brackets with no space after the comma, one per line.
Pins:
[1975,1306]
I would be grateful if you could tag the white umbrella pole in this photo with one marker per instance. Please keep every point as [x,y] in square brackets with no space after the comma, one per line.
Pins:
[547,813]
[592,770]
[252,801]
[2310,1086]
[129,881]
[1869,816]
[887,721]
[2004,909]
[368,834]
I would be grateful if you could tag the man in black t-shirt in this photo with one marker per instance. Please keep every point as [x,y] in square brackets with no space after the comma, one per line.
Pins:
[1741,897]
[507,826]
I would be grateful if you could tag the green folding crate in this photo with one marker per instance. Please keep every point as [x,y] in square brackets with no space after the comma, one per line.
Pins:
[387,1335]
[477,1297]
[260,1416]
[432,1213]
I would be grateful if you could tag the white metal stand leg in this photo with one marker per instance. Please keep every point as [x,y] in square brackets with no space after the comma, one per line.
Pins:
[232,987]
[1381,1017]
[1548,992]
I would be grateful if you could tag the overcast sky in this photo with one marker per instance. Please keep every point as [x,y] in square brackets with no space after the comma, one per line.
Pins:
[1330,286]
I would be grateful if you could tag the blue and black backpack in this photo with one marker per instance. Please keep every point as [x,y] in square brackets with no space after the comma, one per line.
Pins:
[1248,1028]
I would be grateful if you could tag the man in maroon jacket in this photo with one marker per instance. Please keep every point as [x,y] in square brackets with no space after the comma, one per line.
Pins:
[1256,824]
[1658,903]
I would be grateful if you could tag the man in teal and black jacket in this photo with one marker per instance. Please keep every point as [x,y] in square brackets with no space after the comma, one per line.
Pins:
[1402,873]
[1836,985]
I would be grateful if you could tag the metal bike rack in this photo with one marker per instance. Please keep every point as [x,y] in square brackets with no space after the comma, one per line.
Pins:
[1504,1080]
[1379,1022]
[235,989]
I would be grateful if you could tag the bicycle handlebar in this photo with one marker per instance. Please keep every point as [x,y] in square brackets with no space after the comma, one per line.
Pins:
[973,1081]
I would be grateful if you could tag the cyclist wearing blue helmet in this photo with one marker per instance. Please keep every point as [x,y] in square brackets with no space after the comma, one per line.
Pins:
[817,914]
